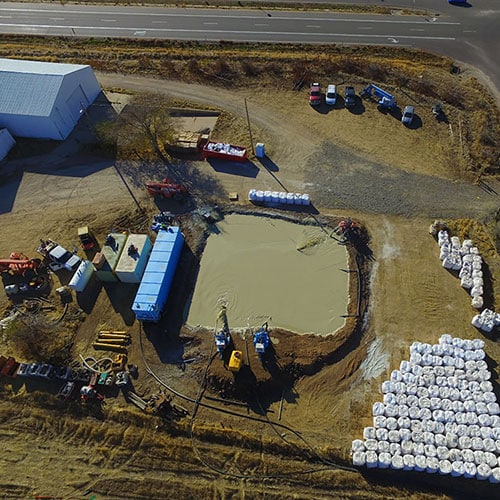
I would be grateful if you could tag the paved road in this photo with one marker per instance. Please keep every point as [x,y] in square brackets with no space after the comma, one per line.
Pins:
[470,34]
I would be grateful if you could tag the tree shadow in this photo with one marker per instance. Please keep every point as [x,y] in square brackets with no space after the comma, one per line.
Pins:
[244,169]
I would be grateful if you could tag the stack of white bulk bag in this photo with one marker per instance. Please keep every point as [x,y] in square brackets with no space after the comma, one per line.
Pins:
[487,320]
[439,414]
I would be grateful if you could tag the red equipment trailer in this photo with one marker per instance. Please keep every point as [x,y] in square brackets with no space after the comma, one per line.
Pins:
[166,188]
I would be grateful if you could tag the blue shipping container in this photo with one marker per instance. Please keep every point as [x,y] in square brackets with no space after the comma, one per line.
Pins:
[158,275]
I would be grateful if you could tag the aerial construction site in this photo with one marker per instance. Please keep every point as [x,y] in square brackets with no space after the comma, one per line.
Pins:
[272,298]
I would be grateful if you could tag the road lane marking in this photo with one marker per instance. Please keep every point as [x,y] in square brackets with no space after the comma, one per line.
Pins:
[224,32]
[229,16]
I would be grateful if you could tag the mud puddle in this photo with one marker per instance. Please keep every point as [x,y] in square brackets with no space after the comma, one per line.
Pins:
[272,270]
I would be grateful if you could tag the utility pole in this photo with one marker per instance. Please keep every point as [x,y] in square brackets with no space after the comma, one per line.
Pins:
[249,128]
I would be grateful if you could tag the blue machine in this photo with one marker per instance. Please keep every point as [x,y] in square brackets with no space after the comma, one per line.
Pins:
[222,340]
[386,100]
[158,275]
[261,340]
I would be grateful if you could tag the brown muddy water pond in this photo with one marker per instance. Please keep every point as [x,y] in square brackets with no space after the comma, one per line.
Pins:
[266,269]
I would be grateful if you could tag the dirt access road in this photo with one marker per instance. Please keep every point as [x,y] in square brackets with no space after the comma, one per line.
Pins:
[410,178]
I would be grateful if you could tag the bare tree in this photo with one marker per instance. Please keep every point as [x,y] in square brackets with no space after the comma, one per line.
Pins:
[147,121]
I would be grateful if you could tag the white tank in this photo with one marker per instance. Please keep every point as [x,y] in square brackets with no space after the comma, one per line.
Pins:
[384,460]
[82,276]
[483,472]
[359,458]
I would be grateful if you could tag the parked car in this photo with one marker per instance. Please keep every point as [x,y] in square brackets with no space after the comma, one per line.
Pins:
[408,114]
[350,97]
[315,94]
[331,95]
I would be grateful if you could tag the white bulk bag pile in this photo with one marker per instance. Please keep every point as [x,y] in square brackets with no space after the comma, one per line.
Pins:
[439,413]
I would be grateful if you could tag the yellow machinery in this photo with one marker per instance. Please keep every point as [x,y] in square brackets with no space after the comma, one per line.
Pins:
[235,361]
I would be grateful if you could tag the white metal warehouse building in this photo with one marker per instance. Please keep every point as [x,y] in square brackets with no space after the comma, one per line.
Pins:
[44,100]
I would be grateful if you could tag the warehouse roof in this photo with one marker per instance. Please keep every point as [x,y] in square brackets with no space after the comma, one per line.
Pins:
[31,87]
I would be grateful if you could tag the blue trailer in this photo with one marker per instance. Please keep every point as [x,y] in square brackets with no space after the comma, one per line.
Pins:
[158,275]
[386,100]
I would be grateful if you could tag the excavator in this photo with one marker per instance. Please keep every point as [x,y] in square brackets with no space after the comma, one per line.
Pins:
[18,264]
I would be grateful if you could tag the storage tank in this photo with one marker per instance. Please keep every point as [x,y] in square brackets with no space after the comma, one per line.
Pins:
[111,252]
[158,275]
[260,150]
[134,258]
[82,276]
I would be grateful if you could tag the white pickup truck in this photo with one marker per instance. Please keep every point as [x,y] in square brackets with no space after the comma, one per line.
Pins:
[59,257]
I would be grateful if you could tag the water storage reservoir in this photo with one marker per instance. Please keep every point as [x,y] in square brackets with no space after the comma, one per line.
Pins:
[268,268]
